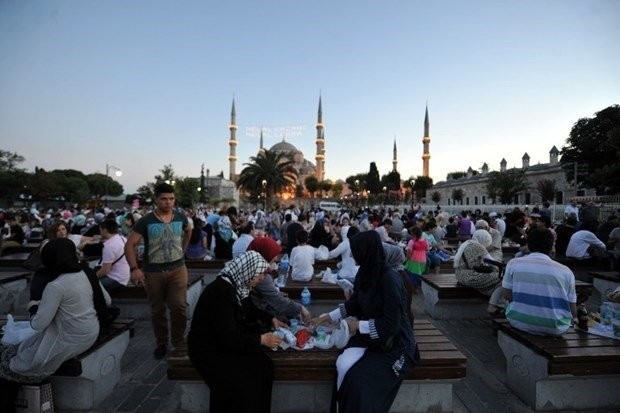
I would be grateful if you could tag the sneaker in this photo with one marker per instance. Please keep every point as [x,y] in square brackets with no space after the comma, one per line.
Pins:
[160,352]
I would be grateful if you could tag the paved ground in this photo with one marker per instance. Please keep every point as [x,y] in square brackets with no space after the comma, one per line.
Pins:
[144,387]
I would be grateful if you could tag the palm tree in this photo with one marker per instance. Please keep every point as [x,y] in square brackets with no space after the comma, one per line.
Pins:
[267,172]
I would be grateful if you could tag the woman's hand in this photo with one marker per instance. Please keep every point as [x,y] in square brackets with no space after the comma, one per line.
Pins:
[306,317]
[323,318]
[275,323]
[353,324]
[270,340]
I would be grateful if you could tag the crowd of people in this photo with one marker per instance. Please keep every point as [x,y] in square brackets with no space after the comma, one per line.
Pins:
[383,255]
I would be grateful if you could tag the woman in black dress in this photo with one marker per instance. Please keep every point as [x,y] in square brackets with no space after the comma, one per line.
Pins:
[382,349]
[228,336]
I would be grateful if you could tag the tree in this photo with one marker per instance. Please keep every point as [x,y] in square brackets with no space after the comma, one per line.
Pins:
[457,195]
[311,184]
[436,197]
[186,192]
[99,184]
[507,184]
[167,175]
[274,168]
[373,183]
[356,183]
[594,144]
[422,184]
[337,189]
[391,181]
[456,175]
[13,180]
[546,189]
[9,161]
[325,186]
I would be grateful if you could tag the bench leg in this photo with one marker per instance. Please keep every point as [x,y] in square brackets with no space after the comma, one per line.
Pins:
[527,375]
[101,371]
[452,309]
[315,397]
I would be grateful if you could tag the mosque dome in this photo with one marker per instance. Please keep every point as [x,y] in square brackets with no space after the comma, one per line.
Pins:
[283,147]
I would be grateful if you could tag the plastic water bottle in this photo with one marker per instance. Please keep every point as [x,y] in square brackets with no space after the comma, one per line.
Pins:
[282,271]
[306,298]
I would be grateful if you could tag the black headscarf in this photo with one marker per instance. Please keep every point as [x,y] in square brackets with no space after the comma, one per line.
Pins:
[367,250]
[59,256]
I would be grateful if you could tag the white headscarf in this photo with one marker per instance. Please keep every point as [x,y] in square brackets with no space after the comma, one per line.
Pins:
[480,236]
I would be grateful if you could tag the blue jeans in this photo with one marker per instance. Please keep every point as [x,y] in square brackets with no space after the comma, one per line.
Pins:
[109,284]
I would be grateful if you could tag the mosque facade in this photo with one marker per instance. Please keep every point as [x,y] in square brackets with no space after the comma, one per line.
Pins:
[304,167]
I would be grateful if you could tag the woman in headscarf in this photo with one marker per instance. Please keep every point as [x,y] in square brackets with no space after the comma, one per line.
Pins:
[471,271]
[66,322]
[382,349]
[322,234]
[228,335]
[225,237]
[266,295]
[395,259]
[348,267]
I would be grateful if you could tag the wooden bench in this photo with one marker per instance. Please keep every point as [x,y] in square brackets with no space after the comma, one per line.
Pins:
[15,259]
[574,371]
[133,302]
[446,299]
[83,382]
[605,281]
[309,376]
[26,247]
[319,290]
[586,265]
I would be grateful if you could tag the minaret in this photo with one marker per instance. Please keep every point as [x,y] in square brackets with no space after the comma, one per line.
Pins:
[395,158]
[232,158]
[426,140]
[320,145]
[261,148]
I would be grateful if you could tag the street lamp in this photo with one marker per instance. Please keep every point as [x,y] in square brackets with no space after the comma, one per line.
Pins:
[412,183]
[264,183]
[117,172]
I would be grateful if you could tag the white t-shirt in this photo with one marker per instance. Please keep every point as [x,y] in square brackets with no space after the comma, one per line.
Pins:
[579,243]
[301,262]
[112,249]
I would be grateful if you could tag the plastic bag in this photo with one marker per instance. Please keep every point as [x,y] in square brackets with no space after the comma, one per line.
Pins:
[16,331]
[321,253]
[329,277]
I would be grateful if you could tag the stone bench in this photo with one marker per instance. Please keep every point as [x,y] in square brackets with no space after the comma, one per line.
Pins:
[574,371]
[303,380]
[83,382]
[605,281]
[446,299]
[14,292]
[133,302]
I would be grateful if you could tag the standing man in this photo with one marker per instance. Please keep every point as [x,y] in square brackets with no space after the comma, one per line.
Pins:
[166,234]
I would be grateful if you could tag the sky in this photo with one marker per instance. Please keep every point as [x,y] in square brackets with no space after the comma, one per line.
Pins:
[142,84]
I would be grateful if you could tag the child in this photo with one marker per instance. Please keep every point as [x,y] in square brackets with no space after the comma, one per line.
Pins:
[415,265]
[302,258]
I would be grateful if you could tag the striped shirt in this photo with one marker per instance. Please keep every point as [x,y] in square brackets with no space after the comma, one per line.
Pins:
[542,290]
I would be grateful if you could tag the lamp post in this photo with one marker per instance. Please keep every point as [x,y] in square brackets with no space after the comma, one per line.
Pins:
[264,183]
[117,172]
[385,192]
[412,183]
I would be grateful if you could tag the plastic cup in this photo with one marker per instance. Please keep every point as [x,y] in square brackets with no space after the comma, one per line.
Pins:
[294,323]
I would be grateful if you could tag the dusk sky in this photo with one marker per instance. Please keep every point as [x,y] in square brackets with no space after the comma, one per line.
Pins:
[142,84]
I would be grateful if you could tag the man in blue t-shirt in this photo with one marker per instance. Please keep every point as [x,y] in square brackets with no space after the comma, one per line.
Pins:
[166,233]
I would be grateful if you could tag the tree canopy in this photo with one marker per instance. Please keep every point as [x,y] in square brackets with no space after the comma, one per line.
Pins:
[594,143]
[505,185]
[272,167]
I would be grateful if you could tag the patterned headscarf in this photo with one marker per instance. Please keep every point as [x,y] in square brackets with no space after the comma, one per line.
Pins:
[394,256]
[266,247]
[224,227]
[242,269]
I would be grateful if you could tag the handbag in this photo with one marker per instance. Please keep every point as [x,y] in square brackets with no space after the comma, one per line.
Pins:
[33,262]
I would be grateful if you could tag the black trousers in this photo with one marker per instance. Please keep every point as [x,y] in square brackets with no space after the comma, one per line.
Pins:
[239,383]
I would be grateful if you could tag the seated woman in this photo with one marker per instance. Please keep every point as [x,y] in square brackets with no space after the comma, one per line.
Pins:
[382,348]
[228,335]
[66,321]
[470,271]
[322,234]
[265,294]
[348,267]
[198,243]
